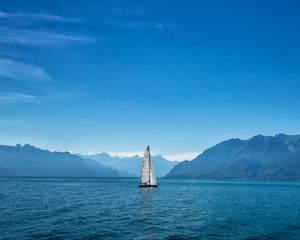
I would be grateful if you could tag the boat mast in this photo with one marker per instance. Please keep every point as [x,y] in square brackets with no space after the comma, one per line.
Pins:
[149,164]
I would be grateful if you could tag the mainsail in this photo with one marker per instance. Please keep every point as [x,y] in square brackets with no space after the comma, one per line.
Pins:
[147,176]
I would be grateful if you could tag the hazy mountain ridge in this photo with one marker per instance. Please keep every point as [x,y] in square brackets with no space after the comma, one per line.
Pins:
[260,157]
[131,166]
[28,160]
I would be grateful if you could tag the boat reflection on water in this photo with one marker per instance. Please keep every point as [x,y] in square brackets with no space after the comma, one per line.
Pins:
[147,200]
[147,192]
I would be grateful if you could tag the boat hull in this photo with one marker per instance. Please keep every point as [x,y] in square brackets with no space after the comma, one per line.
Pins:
[147,185]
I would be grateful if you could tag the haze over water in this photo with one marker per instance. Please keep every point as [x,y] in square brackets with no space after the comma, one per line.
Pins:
[78,208]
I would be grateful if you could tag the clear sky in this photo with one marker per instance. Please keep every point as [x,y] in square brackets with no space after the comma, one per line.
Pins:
[115,76]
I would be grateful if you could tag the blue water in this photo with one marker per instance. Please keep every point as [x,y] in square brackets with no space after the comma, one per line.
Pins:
[77,208]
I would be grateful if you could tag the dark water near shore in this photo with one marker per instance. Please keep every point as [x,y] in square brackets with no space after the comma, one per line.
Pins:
[77,208]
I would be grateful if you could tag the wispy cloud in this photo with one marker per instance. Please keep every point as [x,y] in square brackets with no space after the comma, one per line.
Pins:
[118,9]
[16,97]
[182,156]
[130,11]
[34,37]
[22,71]
[22,32]
[126,154]
[140,25]
[37,16]
[135,17]
[11,122]
[120,154]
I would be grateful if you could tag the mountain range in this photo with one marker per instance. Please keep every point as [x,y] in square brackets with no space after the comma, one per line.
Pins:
[131,166]
[260,157]
[28,160]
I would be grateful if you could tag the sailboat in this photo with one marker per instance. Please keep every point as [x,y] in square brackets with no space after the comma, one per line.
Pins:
[148,178]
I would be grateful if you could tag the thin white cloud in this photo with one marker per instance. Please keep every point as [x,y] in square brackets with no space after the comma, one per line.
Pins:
[172,157]
[11,122]
[126,154]
[4,15]
[130,11]
[22,71]
[182,156]
[16,40]
[16,97]
[140,25]
[37,16]
[45,38]
[121,10]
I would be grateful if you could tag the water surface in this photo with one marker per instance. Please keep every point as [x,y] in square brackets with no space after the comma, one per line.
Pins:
[78,208]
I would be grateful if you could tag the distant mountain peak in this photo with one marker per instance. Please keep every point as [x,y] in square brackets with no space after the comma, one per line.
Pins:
[29,147]
[258,136]
[103,154]
[259,157]
[280,135]
[132,165]
[31,161]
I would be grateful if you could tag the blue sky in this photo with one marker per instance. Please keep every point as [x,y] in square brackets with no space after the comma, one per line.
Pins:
[115,76]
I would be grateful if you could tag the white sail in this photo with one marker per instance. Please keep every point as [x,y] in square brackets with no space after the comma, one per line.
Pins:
[147,174]
[152,175]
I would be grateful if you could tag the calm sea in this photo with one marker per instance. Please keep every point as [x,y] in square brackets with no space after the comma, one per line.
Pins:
[78,208]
